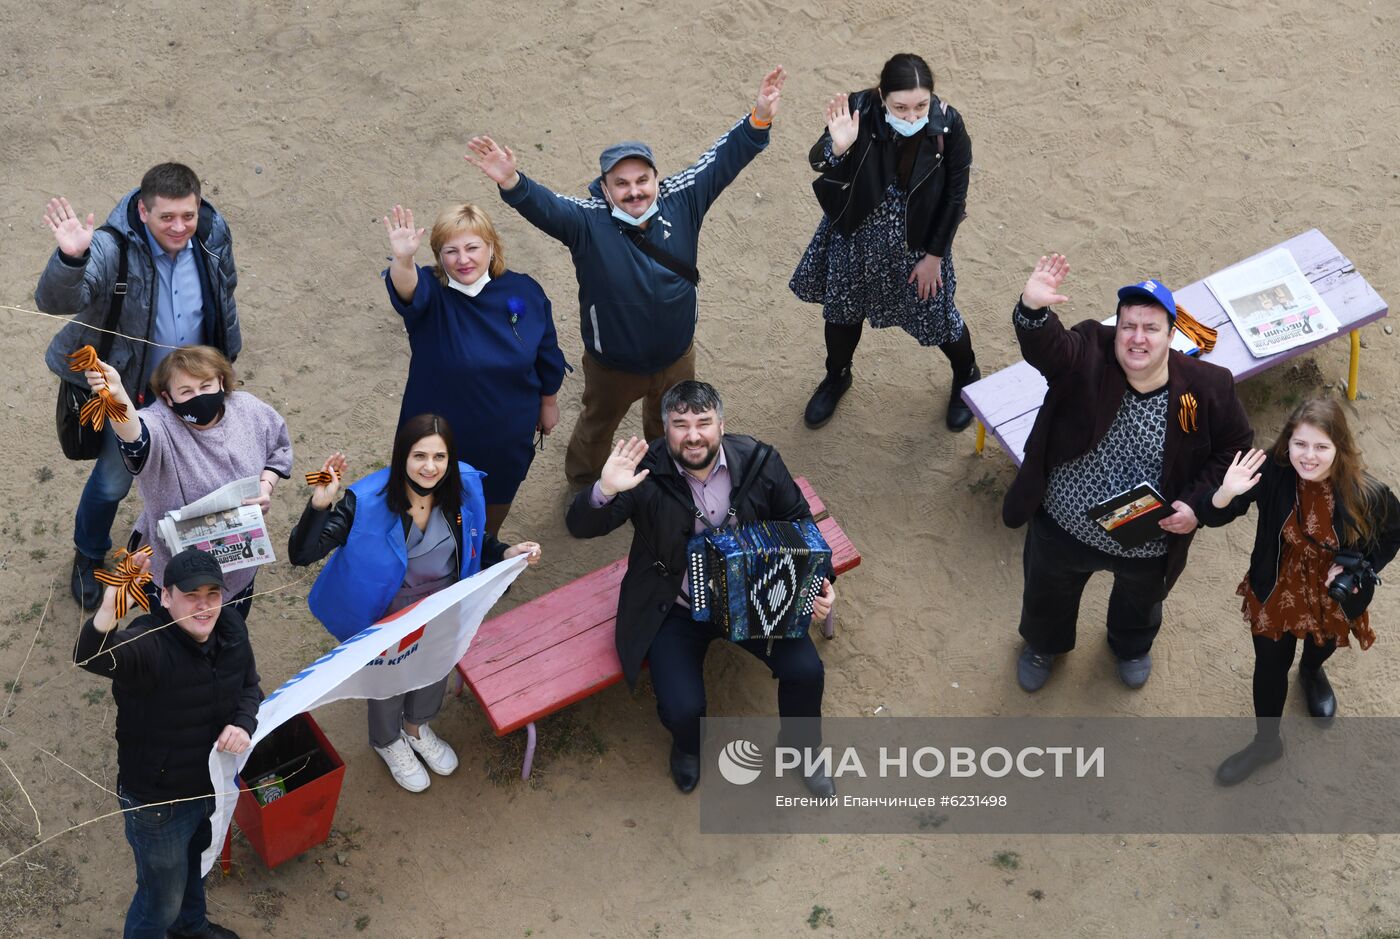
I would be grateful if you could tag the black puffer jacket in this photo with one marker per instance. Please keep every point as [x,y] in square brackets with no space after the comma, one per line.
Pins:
[850,188]
[1277,495]
[662,512]
[173,699]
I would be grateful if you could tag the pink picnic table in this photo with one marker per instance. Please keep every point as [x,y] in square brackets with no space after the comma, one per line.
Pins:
[1007,402]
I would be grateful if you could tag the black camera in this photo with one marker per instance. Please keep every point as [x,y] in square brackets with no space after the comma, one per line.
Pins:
[1356,574]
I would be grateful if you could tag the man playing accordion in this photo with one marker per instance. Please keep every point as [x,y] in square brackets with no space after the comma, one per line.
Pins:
[697,478]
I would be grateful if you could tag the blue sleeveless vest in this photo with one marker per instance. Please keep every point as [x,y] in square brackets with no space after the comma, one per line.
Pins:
[363,575]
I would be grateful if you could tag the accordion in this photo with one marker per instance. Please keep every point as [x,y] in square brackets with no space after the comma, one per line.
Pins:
[757,581]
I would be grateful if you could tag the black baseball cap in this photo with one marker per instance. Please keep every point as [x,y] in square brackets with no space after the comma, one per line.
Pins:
[193,568]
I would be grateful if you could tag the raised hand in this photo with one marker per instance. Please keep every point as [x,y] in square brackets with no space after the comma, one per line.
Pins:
[842,123]
[104,376]
[72,233]
[765,106]
[403,237]
[323,497]
[1243,474]
[1043,287]
[620,471]
[493,159]
[105,619]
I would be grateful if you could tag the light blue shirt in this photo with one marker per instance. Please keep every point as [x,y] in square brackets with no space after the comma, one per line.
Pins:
[179,302]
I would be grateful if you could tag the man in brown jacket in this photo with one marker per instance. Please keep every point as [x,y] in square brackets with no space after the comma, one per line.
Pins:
[1121,409]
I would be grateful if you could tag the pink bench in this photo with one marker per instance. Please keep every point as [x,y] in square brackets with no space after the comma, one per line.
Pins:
[1007,402]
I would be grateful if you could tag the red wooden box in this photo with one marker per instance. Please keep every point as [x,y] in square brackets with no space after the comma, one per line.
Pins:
[313,772]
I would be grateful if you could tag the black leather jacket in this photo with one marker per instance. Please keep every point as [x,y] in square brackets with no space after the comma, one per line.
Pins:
[851,187]
[662,512]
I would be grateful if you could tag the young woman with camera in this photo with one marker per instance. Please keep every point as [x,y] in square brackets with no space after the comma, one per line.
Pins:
[1326,527]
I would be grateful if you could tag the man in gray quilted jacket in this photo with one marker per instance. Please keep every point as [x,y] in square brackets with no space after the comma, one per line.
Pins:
[179,292]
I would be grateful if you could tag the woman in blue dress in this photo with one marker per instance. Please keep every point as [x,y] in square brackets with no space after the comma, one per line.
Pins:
[484,353]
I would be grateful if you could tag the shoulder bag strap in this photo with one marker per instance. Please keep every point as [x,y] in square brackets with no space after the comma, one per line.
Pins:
[760,457]
[114,309]
[667,260]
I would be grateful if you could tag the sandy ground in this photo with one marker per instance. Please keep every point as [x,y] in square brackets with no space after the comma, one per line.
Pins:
[1135,136]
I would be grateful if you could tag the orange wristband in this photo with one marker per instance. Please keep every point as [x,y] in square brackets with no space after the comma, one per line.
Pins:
[757,122]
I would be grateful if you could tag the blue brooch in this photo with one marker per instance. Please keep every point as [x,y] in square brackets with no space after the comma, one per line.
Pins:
[515,305]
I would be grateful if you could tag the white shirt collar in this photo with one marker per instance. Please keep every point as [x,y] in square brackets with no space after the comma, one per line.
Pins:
[472,289]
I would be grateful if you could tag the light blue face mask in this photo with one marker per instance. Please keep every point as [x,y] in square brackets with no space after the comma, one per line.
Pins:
[906,128]
[622,216]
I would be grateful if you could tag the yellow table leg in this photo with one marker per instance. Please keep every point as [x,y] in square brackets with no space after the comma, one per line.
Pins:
[1355,364]
[982,432]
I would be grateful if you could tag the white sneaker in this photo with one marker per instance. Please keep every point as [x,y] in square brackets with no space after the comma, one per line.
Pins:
[408,772]
[433,750]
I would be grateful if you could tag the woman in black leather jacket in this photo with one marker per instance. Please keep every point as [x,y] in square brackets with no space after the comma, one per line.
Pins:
[894,164]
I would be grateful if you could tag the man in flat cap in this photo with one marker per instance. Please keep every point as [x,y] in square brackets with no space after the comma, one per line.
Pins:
[634,244]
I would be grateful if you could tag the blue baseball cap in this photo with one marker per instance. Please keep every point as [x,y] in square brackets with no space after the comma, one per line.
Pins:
[621,151]
[1150,290]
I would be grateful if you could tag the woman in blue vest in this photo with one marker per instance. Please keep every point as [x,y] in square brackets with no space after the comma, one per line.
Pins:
[403,532]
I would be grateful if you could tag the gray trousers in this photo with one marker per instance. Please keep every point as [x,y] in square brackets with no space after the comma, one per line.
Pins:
[387,717]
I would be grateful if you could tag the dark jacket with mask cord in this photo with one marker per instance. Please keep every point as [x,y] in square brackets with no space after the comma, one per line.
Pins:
[636,315]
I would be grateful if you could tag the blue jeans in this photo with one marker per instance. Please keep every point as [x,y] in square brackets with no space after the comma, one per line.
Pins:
[167,841]
[103,494]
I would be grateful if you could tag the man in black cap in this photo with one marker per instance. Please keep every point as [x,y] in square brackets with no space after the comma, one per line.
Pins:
[634,245]
[184,679]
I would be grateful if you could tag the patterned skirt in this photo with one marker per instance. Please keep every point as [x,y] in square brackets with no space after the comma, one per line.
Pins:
[864,276]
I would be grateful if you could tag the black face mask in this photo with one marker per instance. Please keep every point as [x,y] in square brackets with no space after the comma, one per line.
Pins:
[201,409]
[423,490]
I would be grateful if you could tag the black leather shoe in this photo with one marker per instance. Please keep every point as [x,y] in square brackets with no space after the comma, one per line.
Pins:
[87,590]
[1238,766]
[685,769]
[1322,701]
[215,931]
[959,414]
[823,403]
[819,784]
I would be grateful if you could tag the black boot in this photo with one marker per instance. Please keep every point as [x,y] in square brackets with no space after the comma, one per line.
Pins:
[959,414]
[823,403]
[87,590]
[1322,701]
[1260,752]
[685,769]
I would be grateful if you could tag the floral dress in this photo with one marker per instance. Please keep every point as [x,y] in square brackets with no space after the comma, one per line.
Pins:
[1299,603]
[864,276]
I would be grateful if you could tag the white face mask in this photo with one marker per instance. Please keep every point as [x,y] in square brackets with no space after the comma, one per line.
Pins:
[473,288]
[906,128]
[622,216]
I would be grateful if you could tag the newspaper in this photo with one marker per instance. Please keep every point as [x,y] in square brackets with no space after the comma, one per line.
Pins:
[1271,303]
[222,525]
